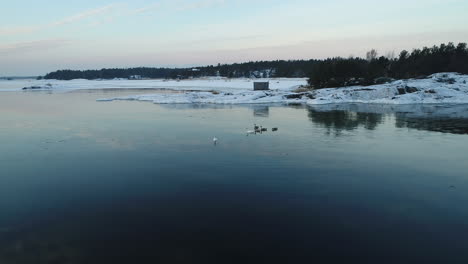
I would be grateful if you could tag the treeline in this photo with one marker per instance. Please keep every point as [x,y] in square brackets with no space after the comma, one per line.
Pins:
[332,72]
[257,69]
[109,73]
[338,72]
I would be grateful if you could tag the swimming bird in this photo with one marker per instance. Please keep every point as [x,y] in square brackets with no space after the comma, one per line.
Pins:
[256,127]
[274,129]
[250,132]
[263,129]
[215,140]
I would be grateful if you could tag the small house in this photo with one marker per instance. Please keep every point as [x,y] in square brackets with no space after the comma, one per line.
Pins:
[261,86]
[135,77]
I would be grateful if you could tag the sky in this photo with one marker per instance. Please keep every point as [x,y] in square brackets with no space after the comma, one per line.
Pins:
[37,37]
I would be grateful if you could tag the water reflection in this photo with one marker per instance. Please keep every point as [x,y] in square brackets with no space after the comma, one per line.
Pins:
[35,248]
[160,190]
[261,111]
[337,121]
[439,118]
[453,126]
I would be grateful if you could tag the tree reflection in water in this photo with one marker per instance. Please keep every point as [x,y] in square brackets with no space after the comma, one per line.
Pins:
[337,121]
[346,117]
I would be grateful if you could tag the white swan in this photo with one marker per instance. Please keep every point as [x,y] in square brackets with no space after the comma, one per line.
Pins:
[249,132]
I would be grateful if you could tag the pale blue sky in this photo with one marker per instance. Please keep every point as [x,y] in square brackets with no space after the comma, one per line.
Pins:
[37,37]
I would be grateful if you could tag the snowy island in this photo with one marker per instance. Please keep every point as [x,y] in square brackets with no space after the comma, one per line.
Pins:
[436,88]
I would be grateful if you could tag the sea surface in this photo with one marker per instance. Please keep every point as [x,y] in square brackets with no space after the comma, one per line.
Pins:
[134,182]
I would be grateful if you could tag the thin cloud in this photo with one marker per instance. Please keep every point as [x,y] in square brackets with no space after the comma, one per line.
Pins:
[145,9]
[173,7]
[103,21]
[223,39]
[85,14]
[12,30]
[102,15]
[23,47]
[202,4]
[100,11]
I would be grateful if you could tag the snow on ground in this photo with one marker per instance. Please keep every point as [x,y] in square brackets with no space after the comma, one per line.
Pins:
[15,84]
[200,84]
[207,98]
[437,88]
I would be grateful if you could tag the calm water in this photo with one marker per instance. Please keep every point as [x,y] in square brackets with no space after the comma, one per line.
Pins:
[130,182]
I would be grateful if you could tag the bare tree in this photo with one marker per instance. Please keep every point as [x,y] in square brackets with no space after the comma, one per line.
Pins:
[390,55]
[371,55]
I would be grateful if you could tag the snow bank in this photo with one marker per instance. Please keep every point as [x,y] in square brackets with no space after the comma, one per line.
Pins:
[449,88]
[437,88]
[243,97]
[201,84]
[220,91]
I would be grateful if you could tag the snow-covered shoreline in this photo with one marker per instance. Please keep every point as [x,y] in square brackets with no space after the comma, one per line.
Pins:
[450,88]
[200,84]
